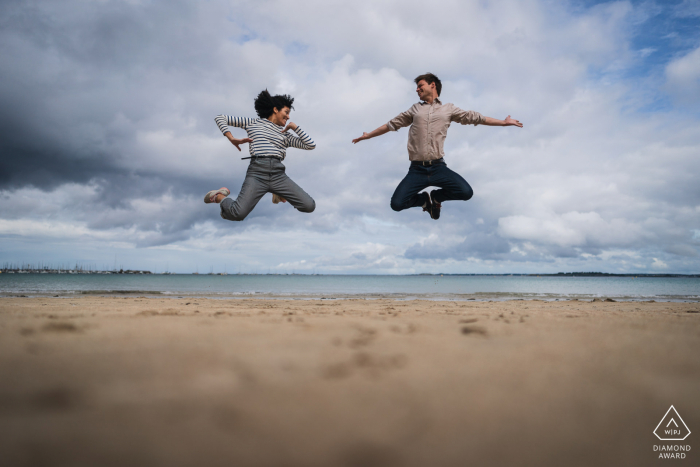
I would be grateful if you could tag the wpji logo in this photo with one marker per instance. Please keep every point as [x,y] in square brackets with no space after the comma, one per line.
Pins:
[672,428]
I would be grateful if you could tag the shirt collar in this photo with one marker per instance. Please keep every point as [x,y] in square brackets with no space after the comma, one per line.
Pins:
[272,123]
[437,99]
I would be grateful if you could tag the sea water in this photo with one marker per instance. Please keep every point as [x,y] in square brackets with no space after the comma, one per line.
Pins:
[354,286]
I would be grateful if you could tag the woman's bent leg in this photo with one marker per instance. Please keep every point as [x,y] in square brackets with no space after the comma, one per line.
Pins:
[252,190]
[286,187]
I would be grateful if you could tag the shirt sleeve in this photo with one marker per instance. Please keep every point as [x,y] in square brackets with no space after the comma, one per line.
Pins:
[225,121]
[303,141]
[401,120]
[466,117]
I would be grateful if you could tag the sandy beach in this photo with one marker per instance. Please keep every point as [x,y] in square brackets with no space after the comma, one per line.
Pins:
[178,382]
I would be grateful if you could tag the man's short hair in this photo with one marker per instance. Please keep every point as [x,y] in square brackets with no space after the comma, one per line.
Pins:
[265,103]
[430,78]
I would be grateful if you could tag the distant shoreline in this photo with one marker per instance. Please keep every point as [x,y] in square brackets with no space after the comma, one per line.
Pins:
[130,271]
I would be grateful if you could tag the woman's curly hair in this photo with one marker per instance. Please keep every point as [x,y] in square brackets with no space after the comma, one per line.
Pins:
[265,103]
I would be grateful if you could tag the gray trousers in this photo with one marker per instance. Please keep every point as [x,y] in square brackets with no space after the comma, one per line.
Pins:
[265,175]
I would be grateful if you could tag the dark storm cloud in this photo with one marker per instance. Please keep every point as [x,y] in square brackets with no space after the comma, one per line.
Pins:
[72,69]
[82,81]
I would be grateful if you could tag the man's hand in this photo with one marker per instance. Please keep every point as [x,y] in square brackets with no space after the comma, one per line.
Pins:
[237,142]
[512,122]
[378,132]
[361,138]
[290,125]
[496,122]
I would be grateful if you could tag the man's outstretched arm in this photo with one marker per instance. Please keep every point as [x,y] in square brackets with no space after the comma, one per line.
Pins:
[403,119]
[378,132]
[470,117]
[496,122]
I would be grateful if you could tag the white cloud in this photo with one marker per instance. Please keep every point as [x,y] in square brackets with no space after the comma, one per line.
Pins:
[571,229]
[683,78]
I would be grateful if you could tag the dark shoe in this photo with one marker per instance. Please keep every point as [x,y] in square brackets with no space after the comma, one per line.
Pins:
[435,212]
[427,204]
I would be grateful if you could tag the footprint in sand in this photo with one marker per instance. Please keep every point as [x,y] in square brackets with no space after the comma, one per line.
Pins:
[366,336]
[168,312]
[58,398]
[371,364]
[473,330]
[409,329]
[60,327]
[369,454]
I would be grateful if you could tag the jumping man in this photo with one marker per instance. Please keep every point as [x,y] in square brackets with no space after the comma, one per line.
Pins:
[429,121]
[269,141]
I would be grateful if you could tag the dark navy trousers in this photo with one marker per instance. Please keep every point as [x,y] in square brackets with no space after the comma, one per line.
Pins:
[451,185]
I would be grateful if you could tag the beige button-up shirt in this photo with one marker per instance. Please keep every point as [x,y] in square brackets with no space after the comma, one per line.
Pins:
[429,124]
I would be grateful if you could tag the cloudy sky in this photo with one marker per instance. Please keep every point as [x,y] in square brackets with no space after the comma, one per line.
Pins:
[108,141]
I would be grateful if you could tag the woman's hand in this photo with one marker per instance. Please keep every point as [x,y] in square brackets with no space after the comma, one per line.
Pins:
[290,125]
[237,142]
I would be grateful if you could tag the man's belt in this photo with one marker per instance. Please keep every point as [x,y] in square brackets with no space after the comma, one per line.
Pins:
[431,162]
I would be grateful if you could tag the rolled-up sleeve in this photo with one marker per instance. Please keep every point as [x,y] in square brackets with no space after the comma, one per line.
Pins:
[467,117]
[401,120]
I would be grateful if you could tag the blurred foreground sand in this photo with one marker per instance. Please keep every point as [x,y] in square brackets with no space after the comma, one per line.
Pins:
[172,382]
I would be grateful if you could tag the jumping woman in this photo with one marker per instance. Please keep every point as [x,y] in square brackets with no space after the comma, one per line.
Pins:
[269,141]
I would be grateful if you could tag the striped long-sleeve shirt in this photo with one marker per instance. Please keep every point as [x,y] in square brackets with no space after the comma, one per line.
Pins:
[268,139]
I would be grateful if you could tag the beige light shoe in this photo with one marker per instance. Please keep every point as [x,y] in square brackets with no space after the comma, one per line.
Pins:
[211,196]
[278,199]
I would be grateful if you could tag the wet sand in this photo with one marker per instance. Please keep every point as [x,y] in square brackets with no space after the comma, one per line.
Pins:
[171,382]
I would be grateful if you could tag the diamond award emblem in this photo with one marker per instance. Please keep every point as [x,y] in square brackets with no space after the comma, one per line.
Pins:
[672,427]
